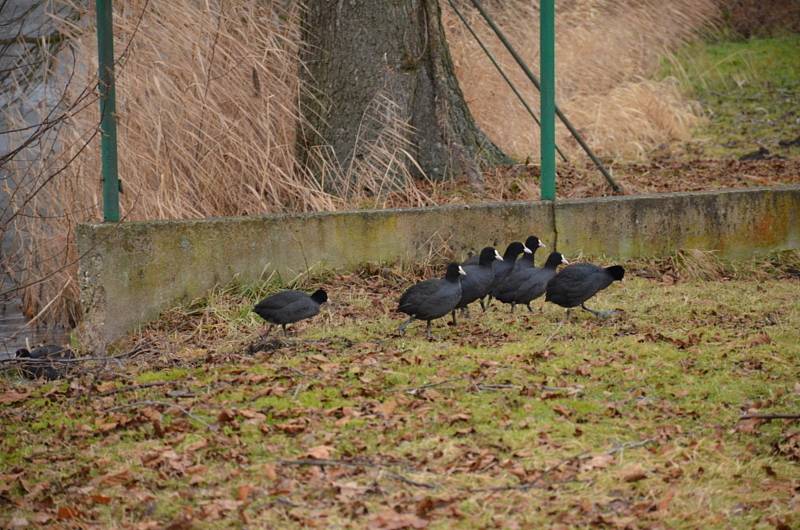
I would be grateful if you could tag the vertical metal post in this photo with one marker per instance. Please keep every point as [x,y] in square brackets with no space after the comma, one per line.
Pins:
[547,57]
[108,111]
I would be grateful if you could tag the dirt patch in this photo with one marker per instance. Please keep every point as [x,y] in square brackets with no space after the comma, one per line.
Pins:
[758,18]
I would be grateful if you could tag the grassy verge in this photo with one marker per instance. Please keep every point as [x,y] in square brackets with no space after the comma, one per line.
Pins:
[505,421]
[748,90]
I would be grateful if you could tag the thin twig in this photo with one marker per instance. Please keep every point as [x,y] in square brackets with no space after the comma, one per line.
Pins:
[553,334]
[416,390]
[580,456]
[150,403]
[357,463]
[133,388]
[572,390]
[768,417]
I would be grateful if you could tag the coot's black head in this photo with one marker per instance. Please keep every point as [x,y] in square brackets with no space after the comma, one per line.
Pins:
[454,272]
[488,255]
[533,243]
[23,353]
[319,296]
[616,272]
[554,260]
[515,249]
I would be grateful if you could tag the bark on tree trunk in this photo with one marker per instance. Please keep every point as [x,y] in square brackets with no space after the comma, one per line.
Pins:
[355,51]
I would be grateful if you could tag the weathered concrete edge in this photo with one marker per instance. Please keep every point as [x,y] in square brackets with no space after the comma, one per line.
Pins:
[130,272]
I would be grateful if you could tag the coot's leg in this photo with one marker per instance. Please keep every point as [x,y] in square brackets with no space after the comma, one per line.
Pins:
[599,314]
[592,311]
[483,304]
[267,330]
[528,304]
[404,325]
[454,317]
[513,305]
[428,332]
[285,331]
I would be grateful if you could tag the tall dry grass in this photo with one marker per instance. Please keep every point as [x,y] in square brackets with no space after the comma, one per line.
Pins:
[207,104]
[606,54]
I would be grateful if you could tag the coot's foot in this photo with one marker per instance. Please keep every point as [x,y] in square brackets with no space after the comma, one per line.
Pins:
[404,325]
[600,314]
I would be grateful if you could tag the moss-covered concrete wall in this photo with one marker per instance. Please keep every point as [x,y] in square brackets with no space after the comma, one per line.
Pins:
[129,272]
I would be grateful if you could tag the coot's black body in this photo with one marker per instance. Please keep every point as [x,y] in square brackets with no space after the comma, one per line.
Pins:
[475,285]
[505,288]
[287,307]
[526,284]
[432,299]
[503,268]
[575,284]
[48,370]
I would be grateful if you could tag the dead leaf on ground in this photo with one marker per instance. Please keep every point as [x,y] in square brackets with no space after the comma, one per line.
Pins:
[561,410]
[391,520]
[386,408]
[321,452]
[270,471]
[12,396]
[67,512]
[120,476]
[749,426]
[598,462]
[633,473]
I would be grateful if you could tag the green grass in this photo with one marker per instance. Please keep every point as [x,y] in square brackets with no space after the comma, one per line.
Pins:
[675,368]
[748,89]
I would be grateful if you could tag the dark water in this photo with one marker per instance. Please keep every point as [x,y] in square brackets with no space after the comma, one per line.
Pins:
[14,327]
[15,330]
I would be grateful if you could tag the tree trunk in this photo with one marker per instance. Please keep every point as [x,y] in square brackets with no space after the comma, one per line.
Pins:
[356,52]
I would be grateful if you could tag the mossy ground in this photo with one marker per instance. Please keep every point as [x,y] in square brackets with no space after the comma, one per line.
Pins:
[748,89]
[503,421]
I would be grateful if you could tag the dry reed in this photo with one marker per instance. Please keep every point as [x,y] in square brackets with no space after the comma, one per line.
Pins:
[606,53]
[207,104]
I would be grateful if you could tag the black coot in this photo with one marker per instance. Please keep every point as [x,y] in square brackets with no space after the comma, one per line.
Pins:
[532,244]
[535,283]
[577,283]
[503,268]
[475,285]
[287,307]
[505,290]
[45,361]
[432,299]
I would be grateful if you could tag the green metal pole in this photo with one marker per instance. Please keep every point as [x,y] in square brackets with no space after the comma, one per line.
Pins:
[108,110]
[547,57]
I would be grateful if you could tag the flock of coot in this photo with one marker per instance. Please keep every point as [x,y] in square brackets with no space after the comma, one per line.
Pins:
[509,278]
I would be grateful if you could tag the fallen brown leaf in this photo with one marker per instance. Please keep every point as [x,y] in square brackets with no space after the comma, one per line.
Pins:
[391,520]
[633,473]
[67,512]
[12,396]
[322,452]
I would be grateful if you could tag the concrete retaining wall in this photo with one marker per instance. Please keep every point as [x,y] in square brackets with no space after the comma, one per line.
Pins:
[131,271]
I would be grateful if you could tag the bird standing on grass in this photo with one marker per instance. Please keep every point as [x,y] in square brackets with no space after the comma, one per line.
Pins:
[287,307]
[575,284]
[475,285]
[528,283]
[432,299]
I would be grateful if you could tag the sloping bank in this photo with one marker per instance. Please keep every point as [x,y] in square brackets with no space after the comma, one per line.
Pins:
[130,272]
